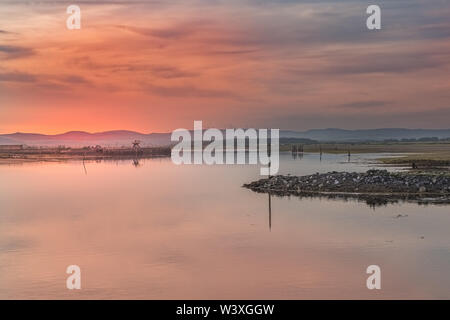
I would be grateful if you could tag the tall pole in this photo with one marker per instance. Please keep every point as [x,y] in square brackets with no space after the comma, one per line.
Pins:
[269,152]
[270,213]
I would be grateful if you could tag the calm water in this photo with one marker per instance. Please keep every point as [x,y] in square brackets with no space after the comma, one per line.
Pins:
[185,232]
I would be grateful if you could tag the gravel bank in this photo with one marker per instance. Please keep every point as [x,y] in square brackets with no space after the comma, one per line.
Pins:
[374,186]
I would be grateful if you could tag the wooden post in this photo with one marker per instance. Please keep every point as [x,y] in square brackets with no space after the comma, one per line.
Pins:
[269,149]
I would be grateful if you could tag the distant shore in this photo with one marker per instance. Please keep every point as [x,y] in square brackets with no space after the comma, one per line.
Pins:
[413,155]
[43,154]
[371,147]
[416,156]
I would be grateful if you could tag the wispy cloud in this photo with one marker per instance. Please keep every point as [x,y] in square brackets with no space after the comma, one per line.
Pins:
[385,62]
[364,104]
[189,91]
[17,77]
[179,31]
[15,52]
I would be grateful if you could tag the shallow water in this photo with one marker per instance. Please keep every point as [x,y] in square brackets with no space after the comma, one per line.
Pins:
[156,230]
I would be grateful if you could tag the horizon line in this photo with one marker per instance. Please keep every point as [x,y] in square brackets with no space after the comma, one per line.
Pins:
[138,132]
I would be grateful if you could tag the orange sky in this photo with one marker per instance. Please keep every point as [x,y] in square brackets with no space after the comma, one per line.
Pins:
[155,67]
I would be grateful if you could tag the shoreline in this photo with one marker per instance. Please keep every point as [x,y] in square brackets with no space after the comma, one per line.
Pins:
[18,161]
[30,155]
[50,159]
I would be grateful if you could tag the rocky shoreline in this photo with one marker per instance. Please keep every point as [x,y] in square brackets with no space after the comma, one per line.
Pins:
[375,187]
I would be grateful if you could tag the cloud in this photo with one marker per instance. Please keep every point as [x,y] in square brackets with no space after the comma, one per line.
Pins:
[17,77]
[45,81]
[232,52]
[156,71]
[84,2]
[162,71]
[306,62]
[178,31]
[188,91]
[73,79]
[380,60]
[384,63]
[433,118]
[363,104]
[15,52]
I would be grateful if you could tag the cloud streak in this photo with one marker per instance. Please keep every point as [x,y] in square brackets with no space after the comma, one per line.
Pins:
[15,52]
[17,77]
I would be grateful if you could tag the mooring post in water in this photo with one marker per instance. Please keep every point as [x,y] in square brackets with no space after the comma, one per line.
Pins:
[349,155]
[269,149]
[270,212]
[84,166]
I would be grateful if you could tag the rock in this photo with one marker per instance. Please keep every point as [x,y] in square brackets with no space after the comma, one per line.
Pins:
[389,185]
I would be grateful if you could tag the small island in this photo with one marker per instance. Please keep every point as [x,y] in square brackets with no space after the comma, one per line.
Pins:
[376,187]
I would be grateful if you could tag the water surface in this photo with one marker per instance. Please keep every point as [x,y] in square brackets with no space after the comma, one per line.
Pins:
[153,230]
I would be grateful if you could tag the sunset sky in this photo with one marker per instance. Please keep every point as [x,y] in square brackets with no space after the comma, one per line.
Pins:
[154,66]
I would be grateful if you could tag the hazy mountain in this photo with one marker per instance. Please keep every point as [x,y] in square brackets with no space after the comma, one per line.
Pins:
[115,138]
[119,138]
[4,140]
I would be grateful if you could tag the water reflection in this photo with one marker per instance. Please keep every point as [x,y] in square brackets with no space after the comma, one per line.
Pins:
[136,163]
[371,200]
[84,166]
[192,232]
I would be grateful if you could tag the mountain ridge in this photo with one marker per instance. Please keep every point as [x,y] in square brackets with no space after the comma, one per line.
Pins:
[125,137]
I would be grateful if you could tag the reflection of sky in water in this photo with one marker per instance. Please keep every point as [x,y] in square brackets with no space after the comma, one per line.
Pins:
[165,231]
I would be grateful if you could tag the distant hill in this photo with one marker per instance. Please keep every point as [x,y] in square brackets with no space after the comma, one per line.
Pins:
[4,140]
[115,138]
[119,138]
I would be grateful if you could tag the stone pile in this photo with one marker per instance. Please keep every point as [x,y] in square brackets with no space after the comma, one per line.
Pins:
[373,182]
